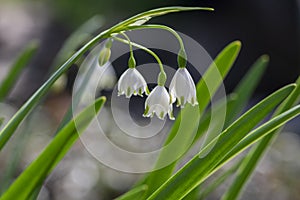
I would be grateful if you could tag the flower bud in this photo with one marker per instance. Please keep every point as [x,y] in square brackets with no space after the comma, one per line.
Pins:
[104,56]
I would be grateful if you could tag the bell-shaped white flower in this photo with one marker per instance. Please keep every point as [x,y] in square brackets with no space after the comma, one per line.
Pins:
[182,88]
[131,83]
[159,102]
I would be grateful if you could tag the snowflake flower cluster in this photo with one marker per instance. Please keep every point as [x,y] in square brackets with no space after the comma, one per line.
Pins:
[159,101]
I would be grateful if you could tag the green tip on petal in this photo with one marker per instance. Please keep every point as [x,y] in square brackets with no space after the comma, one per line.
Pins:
[146,111]
[182,101]
[161,115]
[178,103]
[128,92]
[171,116]
[193,102]
[171,99]
[147,91]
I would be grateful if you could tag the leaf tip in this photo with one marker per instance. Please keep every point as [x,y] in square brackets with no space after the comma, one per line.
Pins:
[102,99]
[237,43]
[265,58]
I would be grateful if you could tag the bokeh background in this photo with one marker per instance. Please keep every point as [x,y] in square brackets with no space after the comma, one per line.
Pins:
[264,27]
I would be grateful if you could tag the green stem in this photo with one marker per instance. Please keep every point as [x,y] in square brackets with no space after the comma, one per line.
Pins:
[145,49]
[158,26]
[129,42]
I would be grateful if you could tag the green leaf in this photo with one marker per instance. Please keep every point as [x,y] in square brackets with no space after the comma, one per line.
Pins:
[33,101]
[142,18]
[183,127]
[221,105]
[257,152]
[1,121]
[193,195]
[12,163]
[200,168]
[38,170]
[246,87]
[16,69]
[218,181]
[77,38]
[233,106]
[134,194]
[262,131]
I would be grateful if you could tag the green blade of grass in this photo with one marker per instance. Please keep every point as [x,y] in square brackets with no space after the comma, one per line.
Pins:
[15,157]
[134,194]
[16,69]
[33,101]
[213,77]
[193,195]
[199,168]
[38,170]
[146,16]
[235,103]
[218,181]
[261,132]
[246,87]
[205,120]
[242,93]
[258,134]
[257,152]
[76,39]
[1,121]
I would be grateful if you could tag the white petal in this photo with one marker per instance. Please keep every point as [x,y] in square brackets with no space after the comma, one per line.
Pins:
[130,82]
[158,102]
[182,88]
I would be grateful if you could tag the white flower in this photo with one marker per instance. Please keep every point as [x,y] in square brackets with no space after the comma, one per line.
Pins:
[158,102]
[182,88]
[132,82]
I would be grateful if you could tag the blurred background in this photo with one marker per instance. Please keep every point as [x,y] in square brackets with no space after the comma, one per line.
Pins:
[264,27]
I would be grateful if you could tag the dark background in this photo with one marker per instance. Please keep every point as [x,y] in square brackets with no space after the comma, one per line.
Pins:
[263,27]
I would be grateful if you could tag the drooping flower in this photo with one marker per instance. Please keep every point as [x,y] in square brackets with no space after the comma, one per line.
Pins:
[182,88]
[131,83]
[159,102]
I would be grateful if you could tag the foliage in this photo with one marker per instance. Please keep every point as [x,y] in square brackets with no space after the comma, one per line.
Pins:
[239,132]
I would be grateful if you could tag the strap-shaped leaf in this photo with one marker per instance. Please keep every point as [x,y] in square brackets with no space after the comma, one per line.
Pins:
[218,181]
[200,168]
[16,69]
[142,18]
[246,87]
[1,121]
[38,170]
[235,103]
[257,152]
[214,77]
[135,194]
